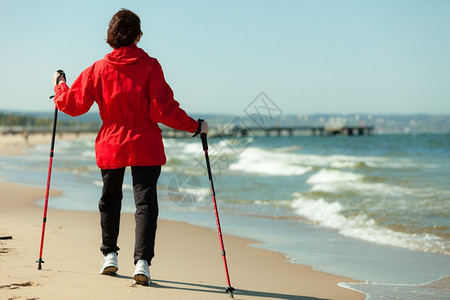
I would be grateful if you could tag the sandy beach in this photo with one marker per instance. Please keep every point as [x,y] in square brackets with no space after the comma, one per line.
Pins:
[187,265]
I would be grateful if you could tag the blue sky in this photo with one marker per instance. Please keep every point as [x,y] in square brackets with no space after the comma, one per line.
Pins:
[309,57]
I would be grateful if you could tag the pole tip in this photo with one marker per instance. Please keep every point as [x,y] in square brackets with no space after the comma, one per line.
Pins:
[40,262]
[230,291]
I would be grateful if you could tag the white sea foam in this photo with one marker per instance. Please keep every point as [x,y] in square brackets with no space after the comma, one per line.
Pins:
[332,181]
[191,148]
[284,161]
[181,149]
[270,168]
[352,162]
[336,181]
[197,192]
[399,163]
[265,162]
[332,176]
[362,227]
[340,161]
[436,289]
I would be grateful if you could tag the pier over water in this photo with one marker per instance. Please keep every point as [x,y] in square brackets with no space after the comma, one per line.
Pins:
[279,131]
[221,131]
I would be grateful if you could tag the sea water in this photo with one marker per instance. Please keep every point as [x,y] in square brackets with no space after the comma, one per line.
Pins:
[373,208]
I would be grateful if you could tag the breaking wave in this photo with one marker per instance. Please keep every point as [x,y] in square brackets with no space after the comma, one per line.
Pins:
[361,226]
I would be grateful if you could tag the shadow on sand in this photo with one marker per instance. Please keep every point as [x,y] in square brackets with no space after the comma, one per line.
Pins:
[196,287]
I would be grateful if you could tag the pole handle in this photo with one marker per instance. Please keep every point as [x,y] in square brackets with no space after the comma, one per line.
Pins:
[55,120]
[204,141]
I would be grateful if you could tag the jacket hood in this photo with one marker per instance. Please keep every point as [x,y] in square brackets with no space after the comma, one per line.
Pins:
[125,57]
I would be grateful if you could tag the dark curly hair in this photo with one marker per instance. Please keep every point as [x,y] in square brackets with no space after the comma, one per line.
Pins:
[124,28]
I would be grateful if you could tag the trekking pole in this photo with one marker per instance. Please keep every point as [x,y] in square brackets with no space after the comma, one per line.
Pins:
[230,289]
[52,147]
[44,220]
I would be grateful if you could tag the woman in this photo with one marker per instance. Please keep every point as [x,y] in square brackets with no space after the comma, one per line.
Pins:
[132,95]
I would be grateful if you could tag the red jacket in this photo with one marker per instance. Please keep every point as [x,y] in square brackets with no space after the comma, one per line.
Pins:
[132,95]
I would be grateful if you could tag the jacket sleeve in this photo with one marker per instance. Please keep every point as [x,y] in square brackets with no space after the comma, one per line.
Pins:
[78,99]
[163,107]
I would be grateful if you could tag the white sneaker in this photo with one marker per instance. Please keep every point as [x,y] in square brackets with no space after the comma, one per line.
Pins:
[110,265]
[141,273]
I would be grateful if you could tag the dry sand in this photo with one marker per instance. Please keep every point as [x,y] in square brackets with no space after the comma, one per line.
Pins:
[187,265]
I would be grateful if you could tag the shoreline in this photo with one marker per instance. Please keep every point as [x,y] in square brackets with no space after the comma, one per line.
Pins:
[14,144]
[187,262]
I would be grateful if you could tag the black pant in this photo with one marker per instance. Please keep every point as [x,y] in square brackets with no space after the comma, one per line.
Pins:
[146,215]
